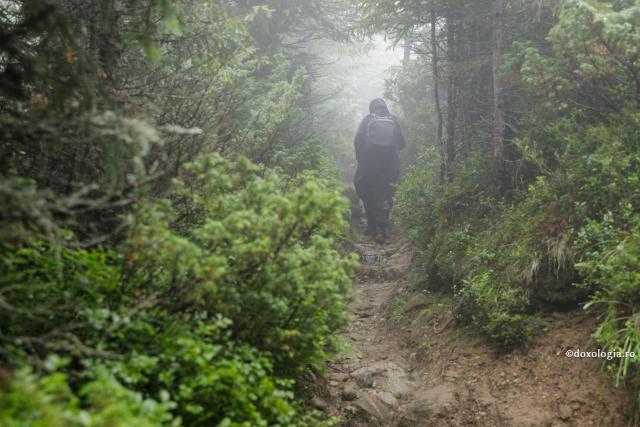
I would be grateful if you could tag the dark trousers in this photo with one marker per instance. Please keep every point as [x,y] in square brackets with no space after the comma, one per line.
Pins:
[376,193]
[377,210]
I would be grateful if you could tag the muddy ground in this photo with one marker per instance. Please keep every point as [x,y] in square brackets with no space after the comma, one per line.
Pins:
[411,364]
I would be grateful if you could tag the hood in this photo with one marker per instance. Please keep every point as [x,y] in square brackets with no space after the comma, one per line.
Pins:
[378,106]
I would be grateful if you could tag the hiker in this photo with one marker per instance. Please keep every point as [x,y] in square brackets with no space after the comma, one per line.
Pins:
[378,143]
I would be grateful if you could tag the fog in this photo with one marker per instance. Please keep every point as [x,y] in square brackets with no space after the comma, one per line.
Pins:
[348,77]
[368,71]
[363,69]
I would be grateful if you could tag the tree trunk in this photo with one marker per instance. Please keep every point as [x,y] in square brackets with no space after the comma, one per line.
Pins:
[451,97]
[498,101]
[436,93]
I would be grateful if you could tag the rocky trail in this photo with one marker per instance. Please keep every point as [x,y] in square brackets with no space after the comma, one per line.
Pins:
[411,364]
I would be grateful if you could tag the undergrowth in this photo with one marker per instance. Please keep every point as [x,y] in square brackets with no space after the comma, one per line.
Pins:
[222,294]
[559,226]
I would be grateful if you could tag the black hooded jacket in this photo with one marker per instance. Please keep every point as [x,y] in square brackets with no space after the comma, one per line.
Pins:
[378,161]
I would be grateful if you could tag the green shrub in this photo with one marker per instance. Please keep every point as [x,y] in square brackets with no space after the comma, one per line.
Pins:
[186,357]
[467,243]
[260,251]
[489,250]
[497,308]
[48,401]
[610,264]
[56,298]
[212,379]
[220,297]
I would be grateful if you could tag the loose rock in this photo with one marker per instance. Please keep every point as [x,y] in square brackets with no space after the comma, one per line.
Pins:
[565,412]
[365,377]
[318,403]
[374,406]
[349,392]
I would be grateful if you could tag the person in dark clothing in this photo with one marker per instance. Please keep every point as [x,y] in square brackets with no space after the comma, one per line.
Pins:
[378,143]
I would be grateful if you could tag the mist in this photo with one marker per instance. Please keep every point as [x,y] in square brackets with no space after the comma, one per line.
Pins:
[202,225]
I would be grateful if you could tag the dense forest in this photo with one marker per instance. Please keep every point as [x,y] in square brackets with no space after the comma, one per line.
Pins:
[176,203]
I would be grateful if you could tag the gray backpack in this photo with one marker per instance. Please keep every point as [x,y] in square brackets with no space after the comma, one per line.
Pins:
[380,131]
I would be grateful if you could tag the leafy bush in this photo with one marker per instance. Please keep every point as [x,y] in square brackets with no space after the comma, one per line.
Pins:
[220,297]
[498,308]
[260,251]
[575,193]
[610,264]
[490,251]
[466,243]
[48,401]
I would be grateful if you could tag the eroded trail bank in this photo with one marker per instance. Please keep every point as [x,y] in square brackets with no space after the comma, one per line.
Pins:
[411,364]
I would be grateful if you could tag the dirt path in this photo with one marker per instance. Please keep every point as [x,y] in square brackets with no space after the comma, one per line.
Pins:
[412,365]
